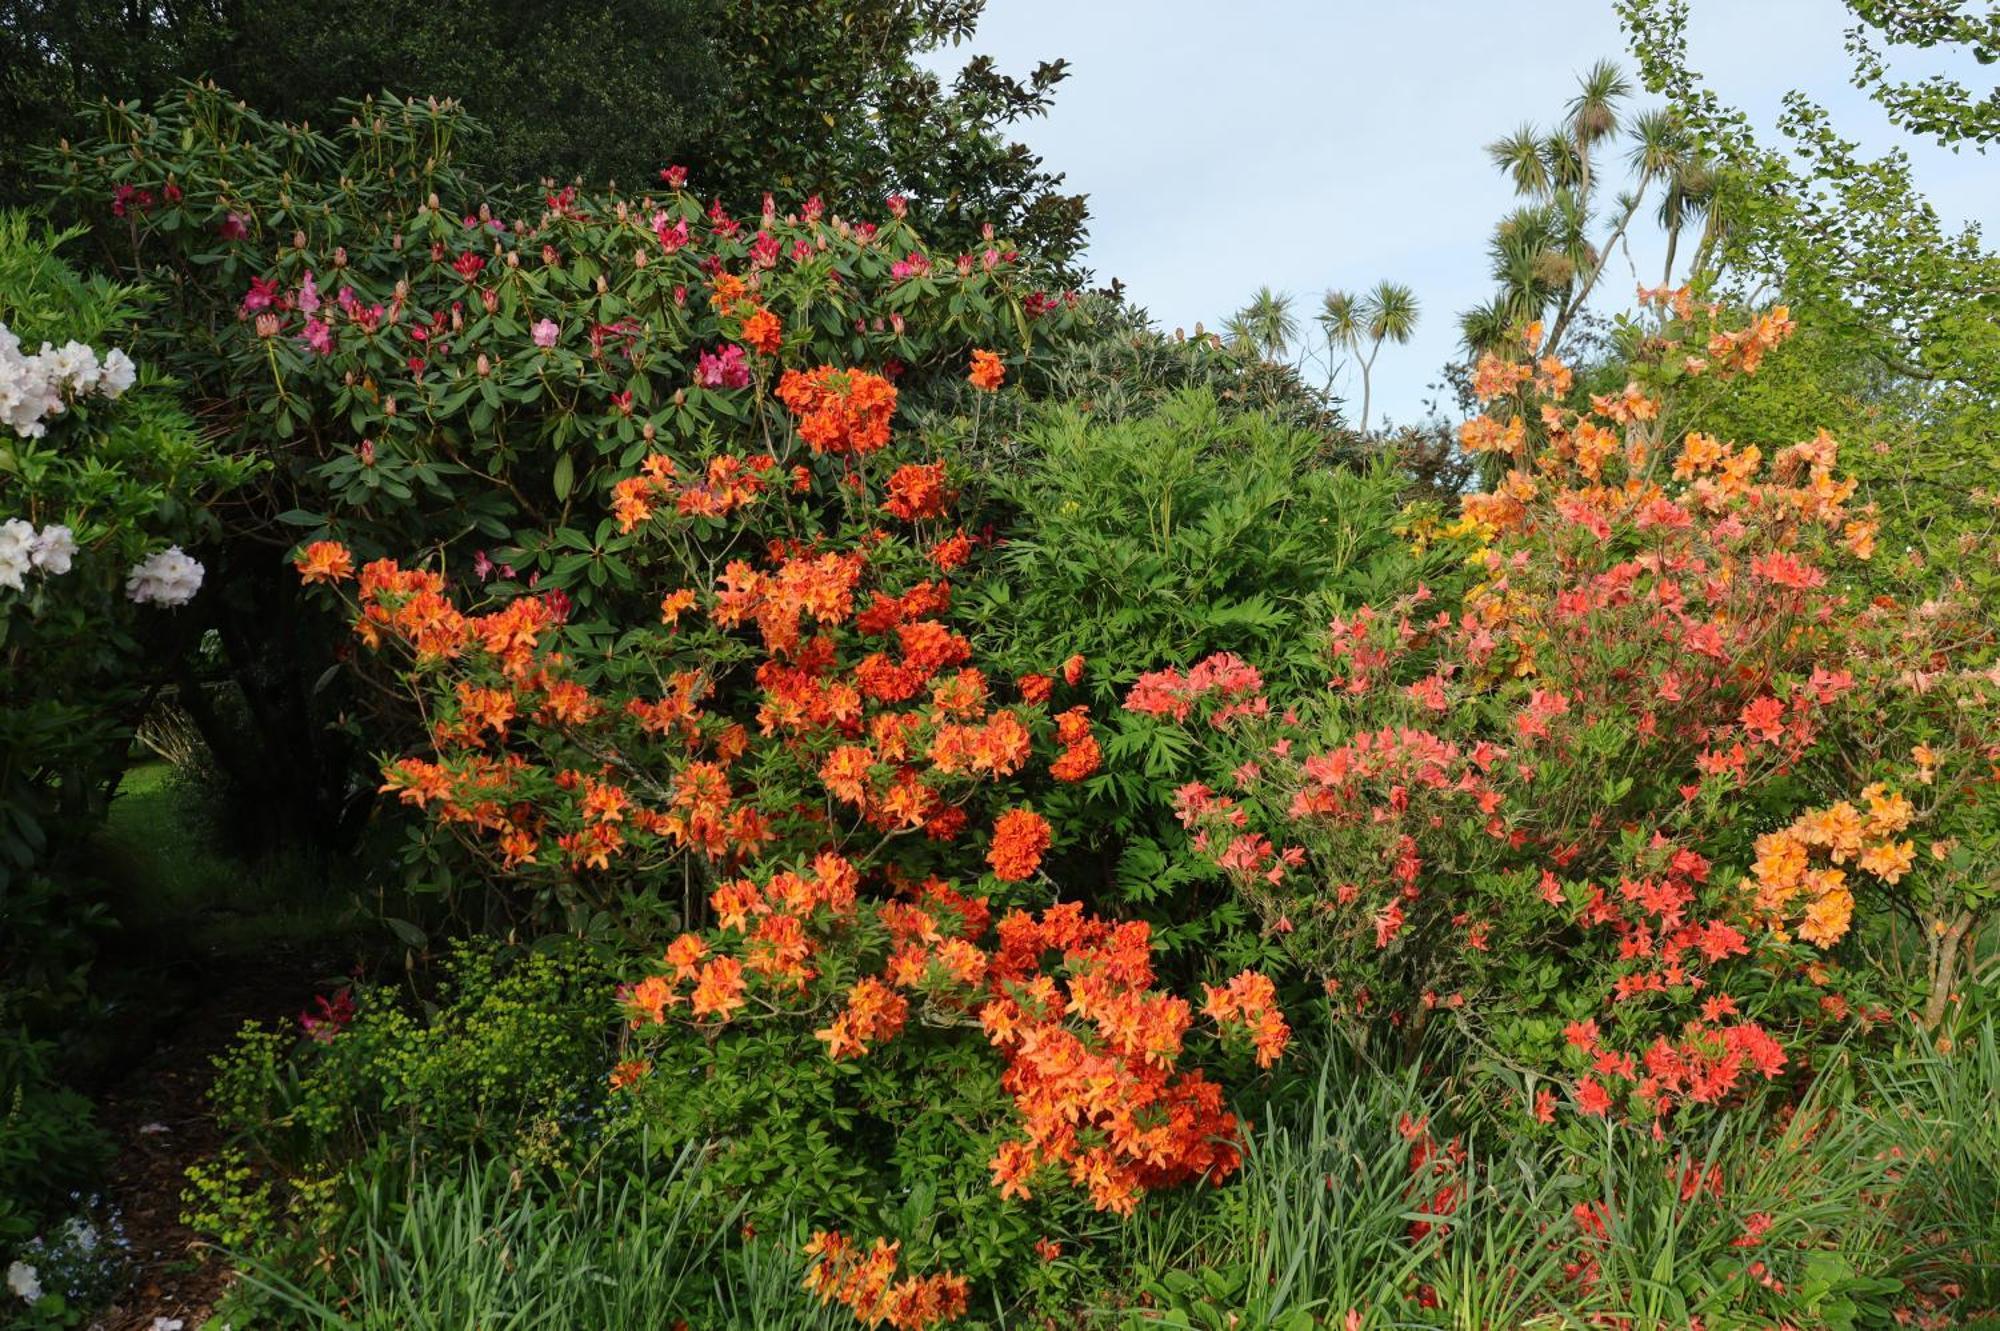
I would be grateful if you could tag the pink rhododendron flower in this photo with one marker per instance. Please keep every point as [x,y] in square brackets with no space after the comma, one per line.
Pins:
[546,332]
[727,370]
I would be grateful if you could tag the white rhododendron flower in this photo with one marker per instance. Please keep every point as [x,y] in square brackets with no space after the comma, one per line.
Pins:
[119,374]
[169,578]
[54,547]
[17,552]
[74,367]
[23,1280]
[34,388]
[22,548]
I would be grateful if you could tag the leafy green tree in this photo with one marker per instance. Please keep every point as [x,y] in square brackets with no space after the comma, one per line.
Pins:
[805,96]
[1152,541]
[1905,310]
[1939,106]
[597,89]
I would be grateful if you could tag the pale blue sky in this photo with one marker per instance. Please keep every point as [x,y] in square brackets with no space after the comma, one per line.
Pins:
[1317,143]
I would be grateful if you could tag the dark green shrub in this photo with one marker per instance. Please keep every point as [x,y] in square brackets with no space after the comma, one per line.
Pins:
[1155,540]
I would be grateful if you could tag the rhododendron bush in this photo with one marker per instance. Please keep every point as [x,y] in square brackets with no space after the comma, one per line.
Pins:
[457,373]
[102,477]
[1619,811]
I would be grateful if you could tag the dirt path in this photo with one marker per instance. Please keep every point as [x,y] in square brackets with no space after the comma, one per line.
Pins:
[158,1116]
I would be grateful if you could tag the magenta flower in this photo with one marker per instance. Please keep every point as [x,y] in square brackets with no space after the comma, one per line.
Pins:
[546,333]
[727,370]
[235,226]
[671,237]
[308,295]
[318,335]
[263,294]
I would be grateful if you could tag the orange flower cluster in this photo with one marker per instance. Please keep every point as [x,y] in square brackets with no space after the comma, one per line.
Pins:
[867,1284]
[1080,754]
[1790,886]
[725,485]
[1020,837]
[411,605]
[840,412]
[917,491]
[1091,1056]
[874,1013]
[1091,1064]
[1251,1002]
[988,372]
[816,587]
[763,332]
[324,561]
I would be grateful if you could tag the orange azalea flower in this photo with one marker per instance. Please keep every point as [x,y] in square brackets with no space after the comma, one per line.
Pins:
[764,333]
[918,491]
[867,1285]
[988,373]
[719,992]
[840,411]
[1019,839]
[629,1071]
[325,561]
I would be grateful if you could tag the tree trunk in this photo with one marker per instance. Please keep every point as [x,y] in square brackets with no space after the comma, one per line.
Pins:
[1947,943]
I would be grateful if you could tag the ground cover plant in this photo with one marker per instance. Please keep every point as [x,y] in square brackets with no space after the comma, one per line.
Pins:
[700,751]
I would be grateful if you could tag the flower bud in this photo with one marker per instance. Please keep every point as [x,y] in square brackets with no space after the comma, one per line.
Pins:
[340,256]
[298,240]
[267,325]
[490,299]
[484,366]
[513,258]
[432,202]
[646,432]
[389,406]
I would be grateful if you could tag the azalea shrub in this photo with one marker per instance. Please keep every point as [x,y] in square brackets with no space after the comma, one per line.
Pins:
[458,373]
[794,768]
[1615,809]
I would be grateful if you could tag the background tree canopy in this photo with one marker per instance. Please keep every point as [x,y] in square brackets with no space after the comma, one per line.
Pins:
[814,97]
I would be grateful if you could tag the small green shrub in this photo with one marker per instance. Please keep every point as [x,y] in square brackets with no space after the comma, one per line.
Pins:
[49,1147]
[1156,540]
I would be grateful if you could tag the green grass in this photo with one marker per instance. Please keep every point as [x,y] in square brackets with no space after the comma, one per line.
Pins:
[483,1246]
[170,883]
